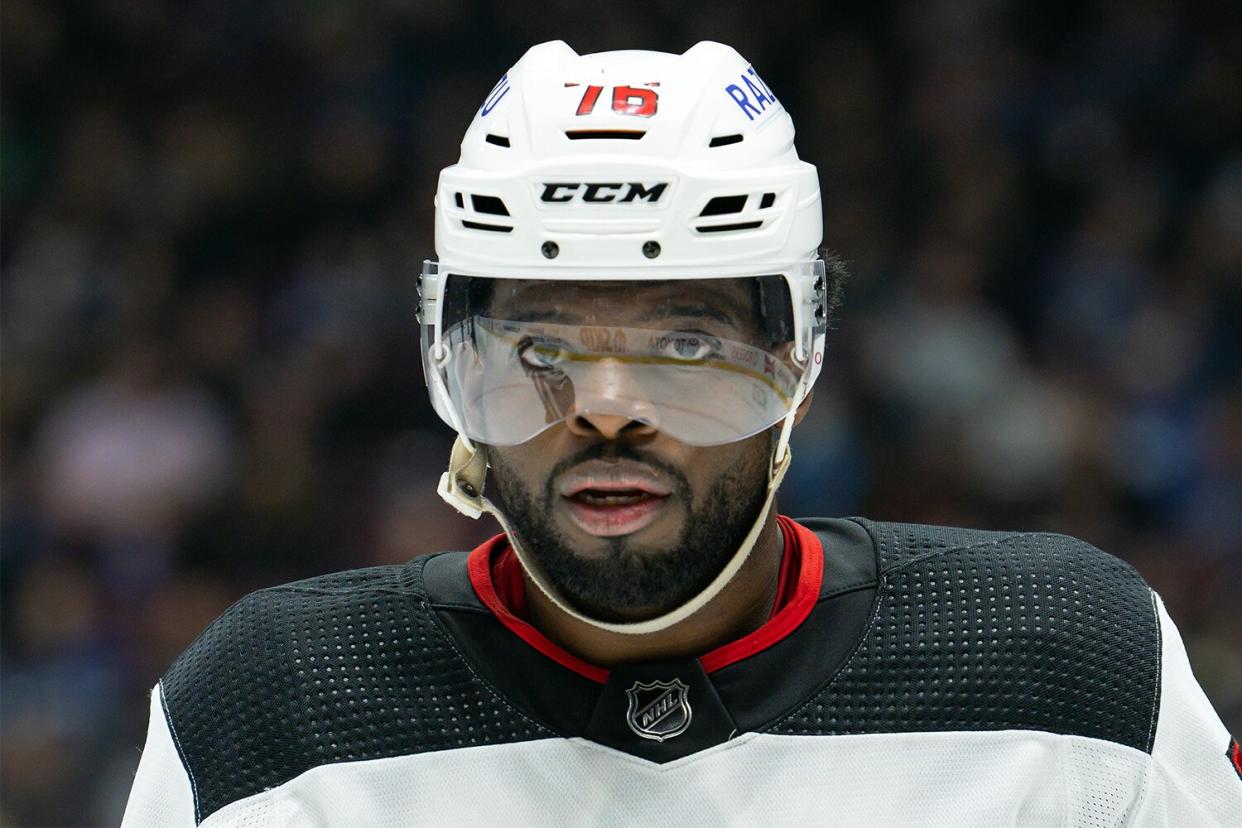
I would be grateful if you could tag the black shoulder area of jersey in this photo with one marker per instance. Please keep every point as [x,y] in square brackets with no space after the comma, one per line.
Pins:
[975,630]
[343,667]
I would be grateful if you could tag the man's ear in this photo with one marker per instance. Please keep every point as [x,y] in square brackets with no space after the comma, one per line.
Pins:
[804,406]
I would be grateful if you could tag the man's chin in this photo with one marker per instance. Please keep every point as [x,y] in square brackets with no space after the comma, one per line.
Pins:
[624,578]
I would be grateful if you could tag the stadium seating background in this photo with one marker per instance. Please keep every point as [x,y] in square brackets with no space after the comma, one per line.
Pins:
[213,213]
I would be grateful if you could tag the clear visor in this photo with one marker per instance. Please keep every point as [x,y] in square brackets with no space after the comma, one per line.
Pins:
[704,361]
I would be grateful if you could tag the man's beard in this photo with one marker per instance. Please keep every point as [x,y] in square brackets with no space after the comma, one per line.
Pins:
[629,582]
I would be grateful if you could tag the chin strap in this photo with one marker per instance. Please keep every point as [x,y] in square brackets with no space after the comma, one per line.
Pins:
[462,487]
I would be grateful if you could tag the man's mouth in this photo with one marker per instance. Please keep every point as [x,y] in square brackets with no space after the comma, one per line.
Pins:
[612,499]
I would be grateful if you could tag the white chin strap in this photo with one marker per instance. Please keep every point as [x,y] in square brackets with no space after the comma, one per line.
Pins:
[462,487]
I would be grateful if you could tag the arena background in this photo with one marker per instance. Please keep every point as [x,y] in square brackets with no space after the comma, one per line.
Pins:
[213,213]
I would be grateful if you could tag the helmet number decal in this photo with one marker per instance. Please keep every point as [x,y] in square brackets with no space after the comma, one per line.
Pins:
[589,97]
[626,100]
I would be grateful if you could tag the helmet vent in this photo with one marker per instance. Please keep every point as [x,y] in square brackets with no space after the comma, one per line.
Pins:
[460,202]
[725,228]
[498,140]
[724,205]
[491,205]
[725,140]
[478,225]
[768,200]
[605,134]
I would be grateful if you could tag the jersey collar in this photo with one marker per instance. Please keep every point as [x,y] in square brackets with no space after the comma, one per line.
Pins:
[496,576]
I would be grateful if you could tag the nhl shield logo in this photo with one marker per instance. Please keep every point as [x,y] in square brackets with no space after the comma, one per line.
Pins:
[658,710]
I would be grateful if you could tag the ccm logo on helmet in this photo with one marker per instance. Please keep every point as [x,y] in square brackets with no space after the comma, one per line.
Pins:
[563,192]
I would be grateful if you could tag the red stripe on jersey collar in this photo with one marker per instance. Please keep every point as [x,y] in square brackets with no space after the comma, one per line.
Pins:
[480,567]
[496,576]
[800,543]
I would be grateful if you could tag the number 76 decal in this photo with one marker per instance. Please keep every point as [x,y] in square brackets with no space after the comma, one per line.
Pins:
[626,100]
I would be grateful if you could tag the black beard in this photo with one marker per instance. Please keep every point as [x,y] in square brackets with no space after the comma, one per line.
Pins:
[631,583]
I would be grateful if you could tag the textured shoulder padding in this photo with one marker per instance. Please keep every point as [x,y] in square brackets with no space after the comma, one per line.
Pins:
[996,631]
[345,667]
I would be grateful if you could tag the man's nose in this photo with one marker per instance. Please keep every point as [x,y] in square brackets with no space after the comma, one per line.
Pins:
[609,426]
[610,403]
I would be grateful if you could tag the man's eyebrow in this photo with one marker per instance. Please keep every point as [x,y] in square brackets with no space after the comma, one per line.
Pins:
[688,311]
[657,311]
[538,315]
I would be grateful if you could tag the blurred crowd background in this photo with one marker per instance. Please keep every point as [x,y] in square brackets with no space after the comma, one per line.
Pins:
[213,213]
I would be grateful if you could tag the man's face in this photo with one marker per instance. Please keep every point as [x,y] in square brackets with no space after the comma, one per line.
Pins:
[627,522]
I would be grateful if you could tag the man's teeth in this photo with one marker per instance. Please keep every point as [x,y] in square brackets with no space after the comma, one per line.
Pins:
[598,498]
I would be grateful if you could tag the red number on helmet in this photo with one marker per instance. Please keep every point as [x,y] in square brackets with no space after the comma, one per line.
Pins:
[634,100]
[589,97]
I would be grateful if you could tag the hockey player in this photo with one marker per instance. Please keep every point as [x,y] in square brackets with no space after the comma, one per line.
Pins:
[623,325]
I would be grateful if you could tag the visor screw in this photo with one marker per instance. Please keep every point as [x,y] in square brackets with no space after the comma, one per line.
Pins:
[469,489]
[550,249]
[651,249]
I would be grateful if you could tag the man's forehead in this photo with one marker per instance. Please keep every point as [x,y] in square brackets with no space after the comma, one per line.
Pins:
[734,297]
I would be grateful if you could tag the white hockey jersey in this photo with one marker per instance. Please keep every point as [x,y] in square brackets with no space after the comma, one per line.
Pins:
[913,675]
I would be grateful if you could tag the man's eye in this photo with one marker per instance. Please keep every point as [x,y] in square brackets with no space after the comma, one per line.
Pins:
[689,346]
[542,355]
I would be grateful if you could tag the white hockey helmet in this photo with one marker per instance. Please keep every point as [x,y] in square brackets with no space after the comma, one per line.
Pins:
[602,154]
[622,166]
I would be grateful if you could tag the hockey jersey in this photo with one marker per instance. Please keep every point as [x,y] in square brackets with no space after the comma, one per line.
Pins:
[913,675]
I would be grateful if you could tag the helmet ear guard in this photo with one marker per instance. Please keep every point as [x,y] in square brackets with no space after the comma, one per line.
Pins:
[462,485]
